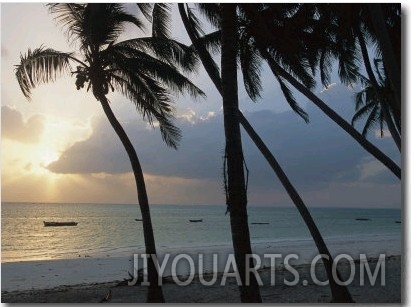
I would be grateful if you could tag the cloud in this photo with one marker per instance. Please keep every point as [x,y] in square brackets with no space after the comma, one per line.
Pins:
[315,156]
[327,88]
[14,127]
[198,156]
[102,152]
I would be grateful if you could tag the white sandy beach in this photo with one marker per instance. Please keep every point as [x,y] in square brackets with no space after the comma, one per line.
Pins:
[29,275]
[86,279]
[196,292]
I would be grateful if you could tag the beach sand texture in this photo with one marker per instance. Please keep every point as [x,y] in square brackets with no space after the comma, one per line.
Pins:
[195,292]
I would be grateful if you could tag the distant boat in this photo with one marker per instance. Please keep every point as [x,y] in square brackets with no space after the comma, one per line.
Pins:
[361,219]
[139,220]
[60,223]
[196,221]
[260,223]
[398,222]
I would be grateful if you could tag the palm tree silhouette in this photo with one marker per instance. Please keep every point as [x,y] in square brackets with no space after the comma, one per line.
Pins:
[340,293]
[236,186]
[353,29]
[289,61]
[347,70]
[140,69]
[373,101]
[386,22]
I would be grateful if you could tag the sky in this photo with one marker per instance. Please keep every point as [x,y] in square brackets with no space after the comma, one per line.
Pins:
[59,147]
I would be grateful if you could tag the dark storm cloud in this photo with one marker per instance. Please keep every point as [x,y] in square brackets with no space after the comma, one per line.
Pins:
[198,156]
[313,155]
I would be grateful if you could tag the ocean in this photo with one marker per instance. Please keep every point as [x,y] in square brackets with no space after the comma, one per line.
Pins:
[105,230]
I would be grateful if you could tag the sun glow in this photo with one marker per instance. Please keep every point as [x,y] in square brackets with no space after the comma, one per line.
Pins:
[25,173]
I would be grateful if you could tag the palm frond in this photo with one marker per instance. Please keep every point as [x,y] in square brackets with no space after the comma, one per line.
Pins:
[169,132]
[382,120]
[379,68]
[103,23]
[371,121]
[251,67]
[211,41]
[146,9]
[152,101]
[146,81]
[212,12]
[291,100]
[70,16]
[363,109]
[93,24]
[41,66]
[348,65]
[141,63]
[325,67]
[367,103]
[161,20]
[296,67]
[208,62]
[194,21]
[167,50]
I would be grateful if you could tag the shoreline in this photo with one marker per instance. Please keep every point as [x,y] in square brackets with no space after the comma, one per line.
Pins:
[46,274]
[282,244]
[196,292]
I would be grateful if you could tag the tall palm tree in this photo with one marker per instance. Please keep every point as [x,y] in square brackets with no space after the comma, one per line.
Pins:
[340,293]
[136,68]
[227,86]
[236,187]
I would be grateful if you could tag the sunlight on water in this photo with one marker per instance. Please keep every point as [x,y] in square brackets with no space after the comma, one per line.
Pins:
[111,230]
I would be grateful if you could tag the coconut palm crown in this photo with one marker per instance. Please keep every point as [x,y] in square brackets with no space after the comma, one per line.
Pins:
[142,69]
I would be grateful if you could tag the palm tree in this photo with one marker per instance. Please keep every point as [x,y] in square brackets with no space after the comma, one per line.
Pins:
[345,26]
[385,105]
[340,293]
[236,187]
[289,60]
[136,68]
[372,101]
[347,73]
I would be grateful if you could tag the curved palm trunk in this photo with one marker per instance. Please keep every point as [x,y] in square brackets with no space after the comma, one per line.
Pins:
[155,294]
[385,108]
[340,293]
[368,146]
[237,194]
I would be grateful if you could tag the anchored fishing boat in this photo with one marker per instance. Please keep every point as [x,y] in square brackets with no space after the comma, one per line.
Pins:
[196,221]
[60,224]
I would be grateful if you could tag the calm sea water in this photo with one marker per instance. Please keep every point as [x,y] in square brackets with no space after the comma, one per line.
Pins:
[112,230]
